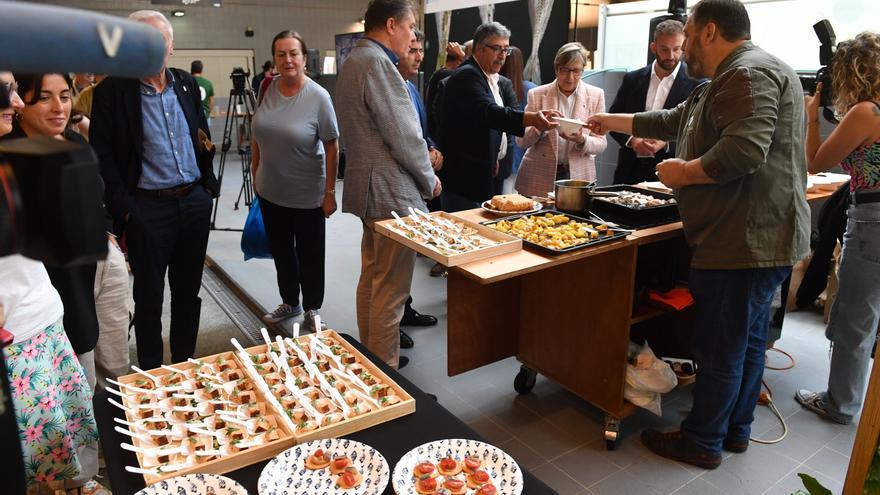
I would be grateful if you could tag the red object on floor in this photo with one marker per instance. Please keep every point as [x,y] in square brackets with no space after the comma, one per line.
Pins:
[677,299]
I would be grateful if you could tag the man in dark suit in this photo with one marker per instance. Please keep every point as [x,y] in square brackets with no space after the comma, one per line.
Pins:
[663,83]
[475,120]
[159,186]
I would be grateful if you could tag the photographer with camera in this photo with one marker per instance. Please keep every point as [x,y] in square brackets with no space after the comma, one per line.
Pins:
[49,386]
[151,138]
[855,145]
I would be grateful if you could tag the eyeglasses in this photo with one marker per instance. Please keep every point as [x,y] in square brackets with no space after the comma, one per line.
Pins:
[498,49]
[564,71]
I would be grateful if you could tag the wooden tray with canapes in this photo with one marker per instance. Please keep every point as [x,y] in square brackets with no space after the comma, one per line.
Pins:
[201,416]
[445,238]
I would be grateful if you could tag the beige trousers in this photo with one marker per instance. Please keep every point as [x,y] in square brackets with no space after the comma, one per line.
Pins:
[384,286]
[112,305]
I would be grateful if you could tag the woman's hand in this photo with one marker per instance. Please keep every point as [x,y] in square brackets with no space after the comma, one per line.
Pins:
[329,204]
[577,138]
[811,104]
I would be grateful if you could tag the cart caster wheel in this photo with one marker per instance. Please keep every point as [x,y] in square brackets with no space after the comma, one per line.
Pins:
[525,380]
[610,444]
[612,432]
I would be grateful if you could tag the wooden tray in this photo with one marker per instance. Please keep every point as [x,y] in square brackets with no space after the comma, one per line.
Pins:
[407,404]
[507,243]
[233,461]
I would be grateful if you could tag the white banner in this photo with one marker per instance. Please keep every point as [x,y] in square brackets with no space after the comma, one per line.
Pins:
[432,6]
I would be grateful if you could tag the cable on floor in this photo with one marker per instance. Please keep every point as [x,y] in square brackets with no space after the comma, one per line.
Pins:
[767,400]
[790,357]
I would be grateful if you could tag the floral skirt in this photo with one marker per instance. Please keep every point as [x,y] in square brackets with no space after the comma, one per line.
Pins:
[53,404]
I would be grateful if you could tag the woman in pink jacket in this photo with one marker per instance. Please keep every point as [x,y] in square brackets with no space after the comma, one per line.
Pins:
[554,155]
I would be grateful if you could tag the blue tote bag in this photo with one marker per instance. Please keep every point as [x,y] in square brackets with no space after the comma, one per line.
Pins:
[254,242]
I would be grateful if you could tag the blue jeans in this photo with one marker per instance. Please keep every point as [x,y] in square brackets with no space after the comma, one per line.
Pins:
[855,313]
[452,202]
[732,314]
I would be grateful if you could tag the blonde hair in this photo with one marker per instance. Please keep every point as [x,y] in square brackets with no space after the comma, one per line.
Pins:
[569,52]
[855,71]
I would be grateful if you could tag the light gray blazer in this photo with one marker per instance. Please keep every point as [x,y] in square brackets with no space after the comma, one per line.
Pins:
[387,167]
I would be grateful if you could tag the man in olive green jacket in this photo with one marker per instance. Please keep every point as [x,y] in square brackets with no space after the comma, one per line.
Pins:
[740,180]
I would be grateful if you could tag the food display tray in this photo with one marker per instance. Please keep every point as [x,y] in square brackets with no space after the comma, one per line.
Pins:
[650,215]
[288,435]
[505,243]
[222,464]
[603,239]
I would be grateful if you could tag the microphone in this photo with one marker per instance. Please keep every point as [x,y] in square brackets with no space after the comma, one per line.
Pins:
[38,39]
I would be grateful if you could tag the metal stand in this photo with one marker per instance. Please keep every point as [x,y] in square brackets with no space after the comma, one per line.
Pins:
[239,114]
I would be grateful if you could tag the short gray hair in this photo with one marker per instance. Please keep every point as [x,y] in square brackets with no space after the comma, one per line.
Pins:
[143,15]
[490,30]
[570,52]
[420,36]
[668,27]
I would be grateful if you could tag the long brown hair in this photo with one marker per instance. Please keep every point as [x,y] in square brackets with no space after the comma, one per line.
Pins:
[513,70]
[855,72]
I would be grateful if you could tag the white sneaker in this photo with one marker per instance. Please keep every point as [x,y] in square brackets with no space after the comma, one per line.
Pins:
[283,312]
[308,324]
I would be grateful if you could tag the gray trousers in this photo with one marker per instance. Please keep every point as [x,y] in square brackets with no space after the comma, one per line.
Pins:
[112,305]
[855,313]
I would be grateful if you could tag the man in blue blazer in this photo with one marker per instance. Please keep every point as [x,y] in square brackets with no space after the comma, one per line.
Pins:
[475,120]
[663,83]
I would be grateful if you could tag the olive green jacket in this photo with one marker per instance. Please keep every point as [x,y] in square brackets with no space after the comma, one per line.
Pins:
[747,126]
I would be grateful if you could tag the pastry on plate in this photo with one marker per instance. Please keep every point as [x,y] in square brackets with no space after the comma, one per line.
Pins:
[511,202]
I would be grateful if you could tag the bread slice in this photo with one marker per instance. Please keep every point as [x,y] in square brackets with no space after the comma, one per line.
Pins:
[511,202]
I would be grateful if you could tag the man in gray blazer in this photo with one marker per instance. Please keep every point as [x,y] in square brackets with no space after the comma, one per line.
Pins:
[387,168]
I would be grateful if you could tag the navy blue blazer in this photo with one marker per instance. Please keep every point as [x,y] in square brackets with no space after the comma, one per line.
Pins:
[470,132]
[631,99]
[116,134]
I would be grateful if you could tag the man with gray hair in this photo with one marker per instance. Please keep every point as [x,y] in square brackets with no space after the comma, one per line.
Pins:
[664,83]
[152,142]
[475,120]
[388,168]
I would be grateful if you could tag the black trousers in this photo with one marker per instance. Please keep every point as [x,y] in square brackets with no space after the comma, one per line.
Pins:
[297,243]
[168,234]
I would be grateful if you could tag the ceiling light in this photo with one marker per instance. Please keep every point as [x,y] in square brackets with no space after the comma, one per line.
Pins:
[218,4]
[178,13]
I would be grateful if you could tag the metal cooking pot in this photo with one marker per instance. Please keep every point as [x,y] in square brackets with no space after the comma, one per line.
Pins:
[576,196]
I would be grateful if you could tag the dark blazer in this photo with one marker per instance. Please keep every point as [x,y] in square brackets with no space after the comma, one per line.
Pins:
[470,132]
[116,134]
[631,99]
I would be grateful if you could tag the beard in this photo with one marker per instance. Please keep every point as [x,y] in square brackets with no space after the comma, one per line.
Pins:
[668,64]
[692,59]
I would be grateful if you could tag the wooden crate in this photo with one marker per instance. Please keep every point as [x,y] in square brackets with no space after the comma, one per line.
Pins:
[507,243]
[231,462]
[407,404]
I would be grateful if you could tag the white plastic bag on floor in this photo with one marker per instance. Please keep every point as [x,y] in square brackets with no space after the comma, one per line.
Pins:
[646,378]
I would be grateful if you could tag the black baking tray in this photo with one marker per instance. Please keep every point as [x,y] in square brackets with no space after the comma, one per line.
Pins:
[638,217]
[600,240]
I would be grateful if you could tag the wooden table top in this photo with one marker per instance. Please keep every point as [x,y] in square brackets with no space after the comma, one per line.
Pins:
[511,265]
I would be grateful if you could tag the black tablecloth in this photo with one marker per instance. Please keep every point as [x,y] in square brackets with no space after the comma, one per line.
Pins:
[393,439]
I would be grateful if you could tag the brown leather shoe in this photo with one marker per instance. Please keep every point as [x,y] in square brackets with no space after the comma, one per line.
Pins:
[735,446]
[674,446]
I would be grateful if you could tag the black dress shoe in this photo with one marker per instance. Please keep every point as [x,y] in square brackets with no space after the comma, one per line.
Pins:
[412,318]
[402,361]
[406,342]
[735,446]
[674,446]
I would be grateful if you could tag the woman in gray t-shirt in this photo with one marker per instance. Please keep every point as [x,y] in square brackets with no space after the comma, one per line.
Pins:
[295,133]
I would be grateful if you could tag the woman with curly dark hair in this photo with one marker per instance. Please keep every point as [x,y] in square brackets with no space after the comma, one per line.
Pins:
[855,145]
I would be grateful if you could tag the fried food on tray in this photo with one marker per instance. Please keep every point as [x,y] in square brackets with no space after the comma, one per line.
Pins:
[511,202]
[554,231]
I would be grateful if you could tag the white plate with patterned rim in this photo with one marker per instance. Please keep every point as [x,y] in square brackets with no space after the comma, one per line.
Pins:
[487,205]
[195,484]
[287,474]
[504,472]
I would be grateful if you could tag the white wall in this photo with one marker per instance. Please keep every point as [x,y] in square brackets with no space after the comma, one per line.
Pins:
[782,27]
[223,28]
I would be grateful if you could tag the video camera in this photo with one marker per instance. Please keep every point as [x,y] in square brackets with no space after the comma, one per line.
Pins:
[50,190]
[828,47]
[239,78]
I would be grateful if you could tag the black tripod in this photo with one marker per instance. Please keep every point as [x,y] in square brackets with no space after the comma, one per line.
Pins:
[239,114]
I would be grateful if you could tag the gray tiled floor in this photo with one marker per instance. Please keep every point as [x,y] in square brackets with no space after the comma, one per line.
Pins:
[550,431]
